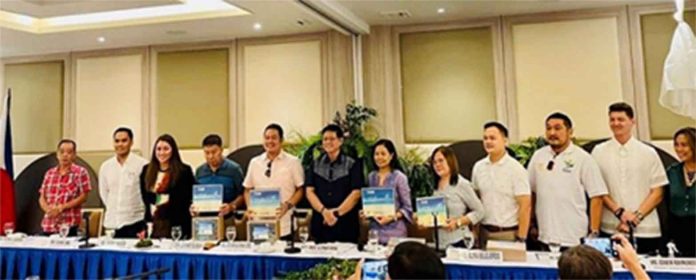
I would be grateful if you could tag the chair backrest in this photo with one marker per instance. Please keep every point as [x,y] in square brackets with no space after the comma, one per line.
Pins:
[96,221]
[468,152]
[243,155]
[27,185]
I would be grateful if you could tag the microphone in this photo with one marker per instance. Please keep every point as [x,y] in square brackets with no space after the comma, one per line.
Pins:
[86,245]
[292,249]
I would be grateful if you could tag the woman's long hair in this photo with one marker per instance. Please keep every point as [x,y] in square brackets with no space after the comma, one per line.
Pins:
[451,161]
[175,163]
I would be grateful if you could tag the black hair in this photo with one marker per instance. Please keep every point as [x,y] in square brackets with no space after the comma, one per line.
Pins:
[389,145]
[334,128]
[560,116]
[277,128]
[413,260]
[212,140]
[503,130]
[126,130]
[621,107]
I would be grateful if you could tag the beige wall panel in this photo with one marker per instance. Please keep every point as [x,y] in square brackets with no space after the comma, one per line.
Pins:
[108,94]
[37,105]
[192,95]
[282,83]
[657,31]
[448,84]
[569,66]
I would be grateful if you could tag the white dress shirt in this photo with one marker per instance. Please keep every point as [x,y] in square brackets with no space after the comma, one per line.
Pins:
[119,189]
[286,174]
[561,206]
[498,185]
[630,171]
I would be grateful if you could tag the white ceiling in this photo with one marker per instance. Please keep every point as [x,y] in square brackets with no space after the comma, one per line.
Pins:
[277,16]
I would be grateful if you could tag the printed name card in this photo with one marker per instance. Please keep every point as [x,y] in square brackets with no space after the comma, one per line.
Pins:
[688,264]
[114,243]
[474,255]
[239,246]
[61,242]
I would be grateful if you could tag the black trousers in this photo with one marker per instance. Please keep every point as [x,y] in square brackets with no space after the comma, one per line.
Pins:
[130,231]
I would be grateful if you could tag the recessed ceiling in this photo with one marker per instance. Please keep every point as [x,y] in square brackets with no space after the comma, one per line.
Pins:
[278,17]
[427,11]
[54,8]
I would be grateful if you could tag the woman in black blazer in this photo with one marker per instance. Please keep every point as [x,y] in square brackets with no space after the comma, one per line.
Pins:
[166,185]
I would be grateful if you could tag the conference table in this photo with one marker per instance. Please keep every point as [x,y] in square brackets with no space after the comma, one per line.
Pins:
[49,258]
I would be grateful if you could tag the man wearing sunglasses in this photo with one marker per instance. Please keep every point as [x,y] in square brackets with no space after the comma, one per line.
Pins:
[276,169]
[561,175]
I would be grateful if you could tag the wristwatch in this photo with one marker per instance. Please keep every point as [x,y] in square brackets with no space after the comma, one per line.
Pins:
[336,214]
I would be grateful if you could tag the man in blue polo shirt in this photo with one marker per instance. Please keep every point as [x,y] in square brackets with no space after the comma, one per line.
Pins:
[219,170]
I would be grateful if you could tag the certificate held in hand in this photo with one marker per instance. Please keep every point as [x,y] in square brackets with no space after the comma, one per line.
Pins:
[427,206]
[207,198]
[378,201]
[264,202]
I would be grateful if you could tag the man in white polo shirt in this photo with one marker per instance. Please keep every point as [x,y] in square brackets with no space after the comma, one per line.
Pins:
[560,175]
[635,176]
[119,187]
[503,185]
[276,169]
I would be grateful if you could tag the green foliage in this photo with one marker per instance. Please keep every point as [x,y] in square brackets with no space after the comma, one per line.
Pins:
[420,179]
[526,149]
[332,269]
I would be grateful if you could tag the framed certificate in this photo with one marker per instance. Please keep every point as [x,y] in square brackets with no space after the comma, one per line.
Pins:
[207,198]
[204,228]
[264,202]
[260,231]
[427,206]
[378,201]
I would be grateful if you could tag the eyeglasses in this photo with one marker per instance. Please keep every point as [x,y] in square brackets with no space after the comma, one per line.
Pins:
[549,166]
[268,169]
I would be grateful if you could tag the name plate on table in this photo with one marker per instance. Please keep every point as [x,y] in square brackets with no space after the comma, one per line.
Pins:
[378,201]
[239,246]
[120,243]
[427,206]
[61,242]
[328,248]
[190,245]
[474,255]
[264,202]
[207,198]
[688,264]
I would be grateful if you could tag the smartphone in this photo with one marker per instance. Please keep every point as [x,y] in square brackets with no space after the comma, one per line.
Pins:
[374,270]
[602,244]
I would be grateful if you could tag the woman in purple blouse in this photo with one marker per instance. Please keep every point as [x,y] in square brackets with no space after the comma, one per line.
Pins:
[388,174]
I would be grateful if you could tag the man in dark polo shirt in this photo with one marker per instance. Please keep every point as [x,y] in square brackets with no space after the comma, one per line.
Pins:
[219,170]
[333,189]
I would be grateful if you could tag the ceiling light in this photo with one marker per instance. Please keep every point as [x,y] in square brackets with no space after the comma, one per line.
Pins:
[441,10]
[257,26]
[101,39]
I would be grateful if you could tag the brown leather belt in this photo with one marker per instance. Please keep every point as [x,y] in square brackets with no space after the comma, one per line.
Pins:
[491,228]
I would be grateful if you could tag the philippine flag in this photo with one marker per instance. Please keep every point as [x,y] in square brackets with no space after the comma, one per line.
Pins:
[7,197]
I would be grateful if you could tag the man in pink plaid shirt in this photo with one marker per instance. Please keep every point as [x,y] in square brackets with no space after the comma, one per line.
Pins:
[64,189]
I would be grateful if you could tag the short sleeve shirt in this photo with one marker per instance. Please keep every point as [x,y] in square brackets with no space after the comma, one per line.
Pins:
[59,189]
[499,184]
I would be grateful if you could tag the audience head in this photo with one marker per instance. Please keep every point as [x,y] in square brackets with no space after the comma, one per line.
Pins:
[331,138]
[212,149]
[413,260]
[273,138]
[621,119]
[685,144]
[444,163]
[66,152]
[123,141]
[559,130]
[584,262]
[384,155]
[494,138]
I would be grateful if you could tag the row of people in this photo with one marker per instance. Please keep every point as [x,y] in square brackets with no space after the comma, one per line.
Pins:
[622,177]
